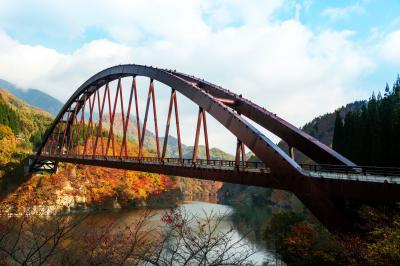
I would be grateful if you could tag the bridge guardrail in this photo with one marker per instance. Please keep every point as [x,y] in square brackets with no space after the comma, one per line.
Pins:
[353,170]
[177,161]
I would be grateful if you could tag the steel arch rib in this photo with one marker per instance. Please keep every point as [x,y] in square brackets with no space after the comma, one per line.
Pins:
[278,161]
[292,135]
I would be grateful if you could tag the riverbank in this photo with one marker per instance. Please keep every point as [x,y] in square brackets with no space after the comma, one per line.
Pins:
[78,188]
[84,188]
[69,204]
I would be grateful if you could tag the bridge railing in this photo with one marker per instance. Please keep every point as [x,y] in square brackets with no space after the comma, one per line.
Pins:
[177,161]
[353,170]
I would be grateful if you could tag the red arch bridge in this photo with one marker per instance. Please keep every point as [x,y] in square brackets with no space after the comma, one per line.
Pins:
[81,135]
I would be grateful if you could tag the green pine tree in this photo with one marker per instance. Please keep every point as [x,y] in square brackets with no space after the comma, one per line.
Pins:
[338,134]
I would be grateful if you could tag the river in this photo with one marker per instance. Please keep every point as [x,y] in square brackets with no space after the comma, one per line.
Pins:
[199,209]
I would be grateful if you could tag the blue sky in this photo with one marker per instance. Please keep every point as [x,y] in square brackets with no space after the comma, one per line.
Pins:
[369,20]
[309,55]
[40,26]
[34,24]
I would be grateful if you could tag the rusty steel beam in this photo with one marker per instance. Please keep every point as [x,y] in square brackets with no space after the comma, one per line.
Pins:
[240,154]
[65,131]
[172,104]
[150,97]
[69,124]
[171,101]
[99,101]
[122,111]
[90,123]
[110,116]
[291,152]
[71,131]
[305,143]
[145,123]
[137,113]
[203,113]
[125,126]
[228,102]
[111,130]
[178,131]
[81,124]
[155,117]
[100,125]
[237,154]
[201,118]
[196,140]
[243,152]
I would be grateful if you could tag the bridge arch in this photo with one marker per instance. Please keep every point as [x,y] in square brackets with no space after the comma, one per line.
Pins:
[228,109]
[205,95]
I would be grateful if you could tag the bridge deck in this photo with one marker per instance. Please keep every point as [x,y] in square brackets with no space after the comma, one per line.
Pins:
[354,173]
[356,177]
[341,184]
[248,173]
[364,174]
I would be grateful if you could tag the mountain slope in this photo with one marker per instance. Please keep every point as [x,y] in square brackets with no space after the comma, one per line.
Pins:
[21,127]
[322,128]
[31,119]
[34,97]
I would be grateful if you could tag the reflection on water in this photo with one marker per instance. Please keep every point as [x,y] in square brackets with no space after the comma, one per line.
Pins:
[205,230]
[196,208]
[201,208]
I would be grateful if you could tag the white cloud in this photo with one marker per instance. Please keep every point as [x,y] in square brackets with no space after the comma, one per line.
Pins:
[225,12]
[283,66]
[26,65]
[390,48]
[336,13]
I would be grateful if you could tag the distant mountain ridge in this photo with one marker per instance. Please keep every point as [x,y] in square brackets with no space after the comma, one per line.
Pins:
[172,146]
[322,128]
[34,97]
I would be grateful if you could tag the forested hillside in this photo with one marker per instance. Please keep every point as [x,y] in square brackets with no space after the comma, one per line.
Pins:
[9,118]
[33,97]
[370,135]
[21,117]
[21,127]
[21,130]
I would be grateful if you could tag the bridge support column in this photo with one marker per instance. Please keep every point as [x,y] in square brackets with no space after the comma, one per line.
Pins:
[172,103]
[291,152]
[150,96]
[201,116]
[320,205]
[240,152]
